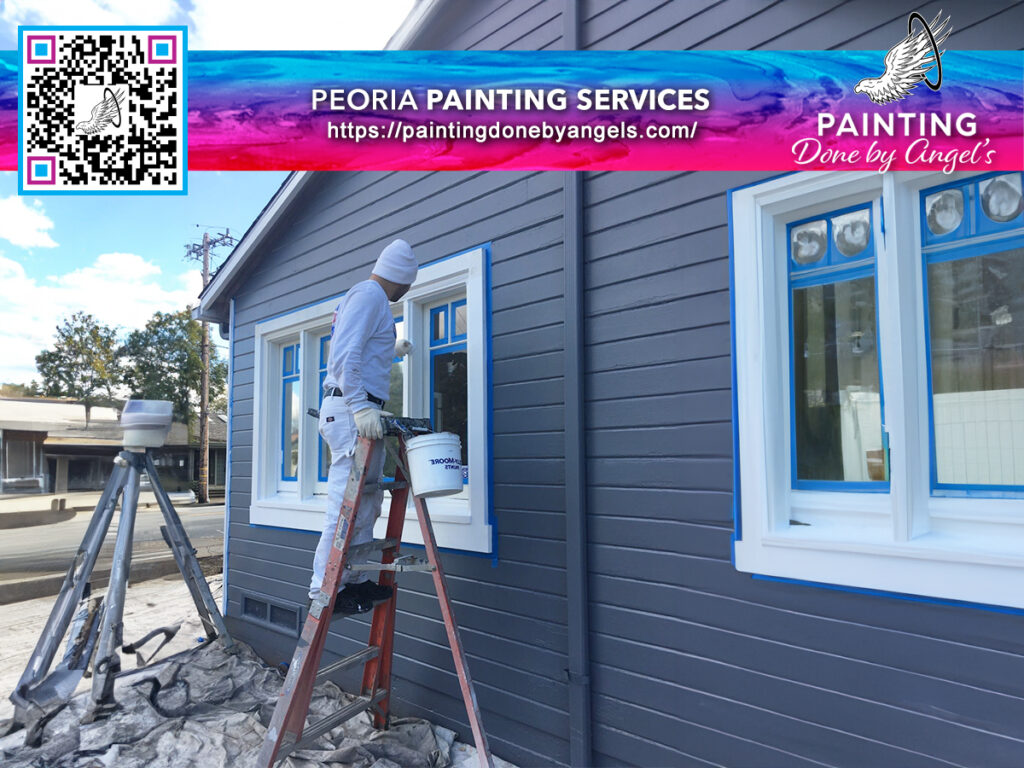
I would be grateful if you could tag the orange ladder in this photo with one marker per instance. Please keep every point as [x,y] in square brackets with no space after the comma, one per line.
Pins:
[287,731]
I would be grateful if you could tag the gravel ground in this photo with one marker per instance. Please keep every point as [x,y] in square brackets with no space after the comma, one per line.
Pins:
[194,704]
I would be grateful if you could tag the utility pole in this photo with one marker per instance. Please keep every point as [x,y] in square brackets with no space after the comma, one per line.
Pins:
[197,251]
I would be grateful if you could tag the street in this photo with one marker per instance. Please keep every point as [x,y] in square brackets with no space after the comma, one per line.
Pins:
[38,551]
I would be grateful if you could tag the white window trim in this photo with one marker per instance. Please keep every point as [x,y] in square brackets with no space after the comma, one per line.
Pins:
[906,541]
[466,514]
[461,521]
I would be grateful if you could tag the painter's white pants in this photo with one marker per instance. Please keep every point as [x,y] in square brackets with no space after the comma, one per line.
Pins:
[338,428]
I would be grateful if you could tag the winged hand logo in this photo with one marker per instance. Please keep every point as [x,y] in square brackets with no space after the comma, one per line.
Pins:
[909,62]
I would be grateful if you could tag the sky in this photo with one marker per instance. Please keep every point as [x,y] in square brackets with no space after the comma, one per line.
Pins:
[122,257]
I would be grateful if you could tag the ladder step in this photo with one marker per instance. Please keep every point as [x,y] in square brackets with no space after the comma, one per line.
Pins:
[412,564]
[377,545]
[319,728]
[369,652]
[384,485]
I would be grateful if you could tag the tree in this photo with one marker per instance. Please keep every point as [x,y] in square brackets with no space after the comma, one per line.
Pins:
[83,363]
[163,363]
[10,389]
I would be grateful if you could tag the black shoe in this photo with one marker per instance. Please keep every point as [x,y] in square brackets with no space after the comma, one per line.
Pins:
[373,592]
[350,600]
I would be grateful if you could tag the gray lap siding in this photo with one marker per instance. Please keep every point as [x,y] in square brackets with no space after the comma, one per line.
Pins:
[692,662]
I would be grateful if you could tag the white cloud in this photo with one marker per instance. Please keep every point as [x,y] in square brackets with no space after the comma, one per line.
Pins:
[90,11]
[326,25]
[118,289]
[24,225]
[310,25]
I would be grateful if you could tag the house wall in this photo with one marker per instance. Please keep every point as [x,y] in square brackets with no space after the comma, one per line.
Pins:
[512,616]
[692,662]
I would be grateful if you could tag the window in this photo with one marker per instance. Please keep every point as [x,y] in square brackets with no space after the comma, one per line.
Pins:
[290,410]
[323,449]
[448,366]
[446,378]
[879,366]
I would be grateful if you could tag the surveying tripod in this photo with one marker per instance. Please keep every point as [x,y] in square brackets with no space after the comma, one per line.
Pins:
[98,627]
[287,731]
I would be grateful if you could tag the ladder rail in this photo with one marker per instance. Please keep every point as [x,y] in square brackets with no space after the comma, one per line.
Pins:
[285,732]
[377,672]
[288,720]
[454,640]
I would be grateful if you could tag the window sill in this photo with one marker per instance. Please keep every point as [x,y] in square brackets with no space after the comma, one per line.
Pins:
[986,567]
[289,511]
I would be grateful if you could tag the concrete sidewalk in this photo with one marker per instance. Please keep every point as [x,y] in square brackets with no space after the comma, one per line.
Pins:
[47,508]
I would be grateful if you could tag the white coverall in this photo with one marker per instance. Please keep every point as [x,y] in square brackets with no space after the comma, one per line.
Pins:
[361,353]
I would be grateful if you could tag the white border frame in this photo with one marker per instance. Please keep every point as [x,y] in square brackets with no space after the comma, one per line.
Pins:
[461,521]
[907,541]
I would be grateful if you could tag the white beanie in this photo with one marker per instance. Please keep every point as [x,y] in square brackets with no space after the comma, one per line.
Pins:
[397,263]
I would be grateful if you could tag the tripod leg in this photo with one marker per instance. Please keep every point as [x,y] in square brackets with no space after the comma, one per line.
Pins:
[185,556]
[108,662]
[26,709]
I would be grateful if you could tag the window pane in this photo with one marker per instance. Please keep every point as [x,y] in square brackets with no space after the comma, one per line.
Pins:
[395,397]
[944,211]
[976,318]
[325,460]
[449,397]
[1001,197]
[291,429]
[837,403]
[852,231]
[439,324]
[460,320]
[809,242]
[325,347]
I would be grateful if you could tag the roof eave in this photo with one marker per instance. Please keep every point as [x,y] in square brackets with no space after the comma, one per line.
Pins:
[413,25]
[211,300]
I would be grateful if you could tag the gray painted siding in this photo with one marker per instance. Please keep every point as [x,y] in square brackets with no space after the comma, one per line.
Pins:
[693,663]
[330,245]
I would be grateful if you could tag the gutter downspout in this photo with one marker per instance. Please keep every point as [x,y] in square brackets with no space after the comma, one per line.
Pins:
[227,458]
[576,567]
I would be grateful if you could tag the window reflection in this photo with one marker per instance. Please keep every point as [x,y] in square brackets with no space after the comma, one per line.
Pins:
[1001,197]
[944,211]
[975,312]
[851,232]
[809,242]
[837,402]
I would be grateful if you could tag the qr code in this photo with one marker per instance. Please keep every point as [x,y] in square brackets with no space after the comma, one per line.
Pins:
[103,110]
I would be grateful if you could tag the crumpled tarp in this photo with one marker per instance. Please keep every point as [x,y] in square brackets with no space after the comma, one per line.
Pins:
[207,707]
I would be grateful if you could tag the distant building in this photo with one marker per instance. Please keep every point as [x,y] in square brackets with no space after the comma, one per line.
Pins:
[46,446]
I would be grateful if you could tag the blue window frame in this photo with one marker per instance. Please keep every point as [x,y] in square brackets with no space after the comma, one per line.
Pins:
[972,233]
[836,404]
[323,451]
[290,408]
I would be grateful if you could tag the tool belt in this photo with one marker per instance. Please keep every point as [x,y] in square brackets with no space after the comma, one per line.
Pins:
[335,392]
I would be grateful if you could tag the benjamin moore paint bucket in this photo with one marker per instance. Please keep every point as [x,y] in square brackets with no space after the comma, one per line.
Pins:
[435,464]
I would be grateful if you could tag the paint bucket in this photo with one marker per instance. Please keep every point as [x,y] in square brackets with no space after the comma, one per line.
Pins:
[435,464]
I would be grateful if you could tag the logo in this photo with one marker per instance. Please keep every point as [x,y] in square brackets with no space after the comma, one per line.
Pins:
[103,114]
[909,62]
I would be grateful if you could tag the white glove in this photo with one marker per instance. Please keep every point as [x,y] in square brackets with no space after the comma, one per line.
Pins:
[403,347]
[368,423]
